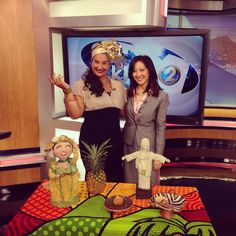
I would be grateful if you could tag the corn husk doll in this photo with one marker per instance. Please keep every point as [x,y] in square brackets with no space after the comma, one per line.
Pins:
[63,172]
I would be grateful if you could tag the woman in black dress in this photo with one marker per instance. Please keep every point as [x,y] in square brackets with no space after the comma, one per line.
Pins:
[100,100]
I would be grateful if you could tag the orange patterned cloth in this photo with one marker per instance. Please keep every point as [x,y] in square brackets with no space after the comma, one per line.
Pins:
[37,215]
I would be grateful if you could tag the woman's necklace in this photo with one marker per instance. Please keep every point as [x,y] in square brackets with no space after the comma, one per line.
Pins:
[109,91]
[139,97]
[108,87]
[139,91]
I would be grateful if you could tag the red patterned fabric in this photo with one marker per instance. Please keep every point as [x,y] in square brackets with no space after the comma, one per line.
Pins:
[22,224]
[38,205]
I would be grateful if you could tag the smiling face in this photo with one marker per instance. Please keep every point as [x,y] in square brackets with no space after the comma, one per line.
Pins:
[62,150]
[100,65]
[140,74]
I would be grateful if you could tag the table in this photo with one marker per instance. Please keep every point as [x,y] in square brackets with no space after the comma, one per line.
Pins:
[89,217]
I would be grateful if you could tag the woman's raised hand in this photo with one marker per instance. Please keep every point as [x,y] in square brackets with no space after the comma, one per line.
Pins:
[58,80]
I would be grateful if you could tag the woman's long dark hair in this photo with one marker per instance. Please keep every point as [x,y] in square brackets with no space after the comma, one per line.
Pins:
[153,87]
[93,83]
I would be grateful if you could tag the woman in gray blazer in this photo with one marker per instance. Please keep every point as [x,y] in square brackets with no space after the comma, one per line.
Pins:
[146,110]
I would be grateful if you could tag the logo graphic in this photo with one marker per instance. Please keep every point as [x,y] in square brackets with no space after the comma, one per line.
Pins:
[169,75]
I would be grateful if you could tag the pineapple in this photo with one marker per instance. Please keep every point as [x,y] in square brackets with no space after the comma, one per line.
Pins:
[94,159]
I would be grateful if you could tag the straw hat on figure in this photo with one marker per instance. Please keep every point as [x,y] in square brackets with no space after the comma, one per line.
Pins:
[143,162]
[63,172]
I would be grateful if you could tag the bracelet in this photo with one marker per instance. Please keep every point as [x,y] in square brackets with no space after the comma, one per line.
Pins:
[71,100]
[67,91]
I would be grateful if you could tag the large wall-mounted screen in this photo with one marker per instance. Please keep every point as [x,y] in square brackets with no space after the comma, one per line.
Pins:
[180,58]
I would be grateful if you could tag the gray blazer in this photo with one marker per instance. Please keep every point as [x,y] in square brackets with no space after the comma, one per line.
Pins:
[150,123]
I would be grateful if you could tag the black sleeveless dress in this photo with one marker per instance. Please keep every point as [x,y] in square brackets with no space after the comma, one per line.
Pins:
[98,126]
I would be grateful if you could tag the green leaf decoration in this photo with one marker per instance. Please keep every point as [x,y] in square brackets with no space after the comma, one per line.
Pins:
[82,220]
[150,223]
[72,226]
[200,228]
[87,208]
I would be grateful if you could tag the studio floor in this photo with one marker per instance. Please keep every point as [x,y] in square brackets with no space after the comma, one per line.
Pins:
[218,196]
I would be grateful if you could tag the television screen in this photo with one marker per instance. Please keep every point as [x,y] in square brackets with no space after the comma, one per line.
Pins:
[180,58]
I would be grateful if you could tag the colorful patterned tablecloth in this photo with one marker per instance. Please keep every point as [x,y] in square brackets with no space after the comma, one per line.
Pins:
[89,217]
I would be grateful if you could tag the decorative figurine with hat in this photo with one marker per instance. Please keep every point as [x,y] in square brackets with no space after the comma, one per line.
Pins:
[63,172]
